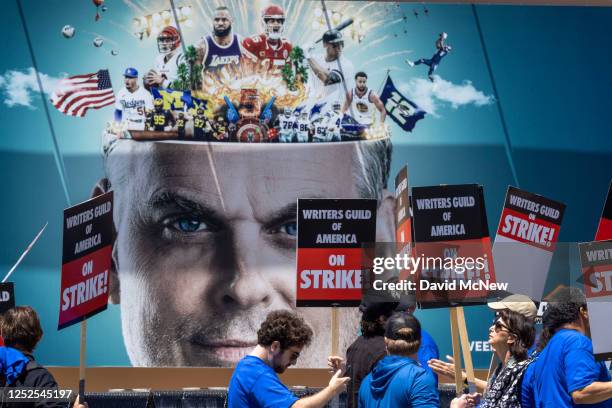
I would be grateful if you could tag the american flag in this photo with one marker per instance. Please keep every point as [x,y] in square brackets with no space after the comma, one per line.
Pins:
[74,95]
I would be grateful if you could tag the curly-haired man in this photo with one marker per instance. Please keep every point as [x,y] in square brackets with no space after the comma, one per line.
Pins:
[255,382]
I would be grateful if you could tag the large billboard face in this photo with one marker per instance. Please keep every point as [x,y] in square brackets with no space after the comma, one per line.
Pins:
[206,242]
[209,120]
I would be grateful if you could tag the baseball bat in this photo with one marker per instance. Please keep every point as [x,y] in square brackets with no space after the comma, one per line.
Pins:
[339,27]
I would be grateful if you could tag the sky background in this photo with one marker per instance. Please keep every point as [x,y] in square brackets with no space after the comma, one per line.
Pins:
[550,65]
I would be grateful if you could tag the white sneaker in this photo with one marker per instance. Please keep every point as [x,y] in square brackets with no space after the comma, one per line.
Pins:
[409,62]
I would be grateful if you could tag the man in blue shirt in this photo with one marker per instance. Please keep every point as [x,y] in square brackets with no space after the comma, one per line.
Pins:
[565,373]
[255,382]
[398,380]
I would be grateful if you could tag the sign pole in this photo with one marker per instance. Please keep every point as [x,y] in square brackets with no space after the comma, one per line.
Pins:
[465,347]
[82,360]
[335,331]
[456,350]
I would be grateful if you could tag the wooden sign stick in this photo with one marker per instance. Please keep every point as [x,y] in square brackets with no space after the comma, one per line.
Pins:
[465,346]
[456,350]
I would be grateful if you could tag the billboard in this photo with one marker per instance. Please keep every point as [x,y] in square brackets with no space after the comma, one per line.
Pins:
[253,116]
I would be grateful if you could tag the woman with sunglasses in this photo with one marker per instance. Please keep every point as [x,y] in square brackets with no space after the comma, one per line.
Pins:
[510,337]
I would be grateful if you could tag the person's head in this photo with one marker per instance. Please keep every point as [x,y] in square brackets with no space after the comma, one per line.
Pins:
[333,44]
[200,111]
[168,40]
[443,35]
[283,334]
[566,308]
[181,115]
[517,303]
[513,332]
[222,22]
[273,18]
[361,81]
[336,107]
[403,334]
[374,317]
[287,112]
[158,104]
[304,115]
[20,328]
[130,79]
[206,238]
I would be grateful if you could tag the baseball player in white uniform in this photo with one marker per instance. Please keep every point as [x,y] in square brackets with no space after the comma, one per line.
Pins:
[132,102]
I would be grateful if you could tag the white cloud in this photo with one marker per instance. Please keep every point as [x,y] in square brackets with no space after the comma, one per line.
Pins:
[20,88]
[432,95]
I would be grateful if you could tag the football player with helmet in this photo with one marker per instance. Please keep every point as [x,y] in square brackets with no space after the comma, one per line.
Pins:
[303,128]
[287,125]
[269,50]
[167,63]
[220,129]
[334,122]
[202,130]
[181,122]
[161,119]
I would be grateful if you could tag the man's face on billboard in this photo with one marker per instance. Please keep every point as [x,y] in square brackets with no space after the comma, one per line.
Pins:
[205,247]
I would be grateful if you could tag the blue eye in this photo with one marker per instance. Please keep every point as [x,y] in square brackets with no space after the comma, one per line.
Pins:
[189,225]
[290,228]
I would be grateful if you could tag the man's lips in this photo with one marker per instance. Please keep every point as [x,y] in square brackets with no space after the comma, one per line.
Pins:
[226,343]
[230,350]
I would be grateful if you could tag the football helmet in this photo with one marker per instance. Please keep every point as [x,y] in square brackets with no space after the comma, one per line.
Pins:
[158,103]
[287,112]
[277,13]
[168,40]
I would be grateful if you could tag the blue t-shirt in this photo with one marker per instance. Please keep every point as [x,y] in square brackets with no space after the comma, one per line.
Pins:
[427,351]
[565,365]
[398,381]
[254,384]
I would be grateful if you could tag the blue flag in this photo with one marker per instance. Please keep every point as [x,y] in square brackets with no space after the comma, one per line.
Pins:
[403,111]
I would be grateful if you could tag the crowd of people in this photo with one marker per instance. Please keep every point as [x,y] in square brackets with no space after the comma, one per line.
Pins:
[335,103]
[392,363]
[556,370]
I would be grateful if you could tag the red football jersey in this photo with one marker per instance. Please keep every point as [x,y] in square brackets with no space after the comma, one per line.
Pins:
[270,57]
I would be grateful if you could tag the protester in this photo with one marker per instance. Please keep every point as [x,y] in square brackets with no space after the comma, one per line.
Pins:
[510,337]
[398,380]
[566,373]
[255,382]
[516,303]
[369,348]
[20,327]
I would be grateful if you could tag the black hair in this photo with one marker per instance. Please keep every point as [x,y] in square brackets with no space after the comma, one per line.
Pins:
[522,327]
[361,74]
[563,307]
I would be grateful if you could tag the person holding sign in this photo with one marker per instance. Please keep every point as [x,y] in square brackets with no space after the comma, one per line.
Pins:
[255,382]
[566,373]
[520,304]
[398,380]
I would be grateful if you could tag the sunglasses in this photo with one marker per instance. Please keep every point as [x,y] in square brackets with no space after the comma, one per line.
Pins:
[499,326]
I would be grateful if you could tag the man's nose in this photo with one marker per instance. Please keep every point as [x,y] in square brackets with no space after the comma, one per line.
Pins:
[247,286]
